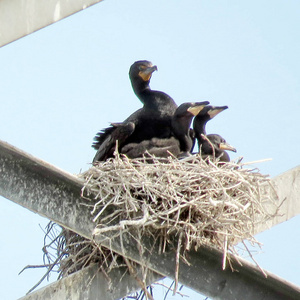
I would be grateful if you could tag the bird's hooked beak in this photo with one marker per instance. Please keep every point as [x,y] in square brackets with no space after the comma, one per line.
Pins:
[216,110]
[195,109]
[225,146]
[146,73]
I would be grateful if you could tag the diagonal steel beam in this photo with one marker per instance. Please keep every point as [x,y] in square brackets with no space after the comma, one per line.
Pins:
[55,194]
[22,17]
[96,286]
[285,191]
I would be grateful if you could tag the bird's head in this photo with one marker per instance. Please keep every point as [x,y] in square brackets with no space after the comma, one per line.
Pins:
[142,70]
[209,112]
[220,143]
[190,109]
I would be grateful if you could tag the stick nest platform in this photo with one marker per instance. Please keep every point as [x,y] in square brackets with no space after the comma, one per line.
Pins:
[198,202]
[206,202]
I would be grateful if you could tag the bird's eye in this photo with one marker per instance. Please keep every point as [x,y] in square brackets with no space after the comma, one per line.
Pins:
[142,67]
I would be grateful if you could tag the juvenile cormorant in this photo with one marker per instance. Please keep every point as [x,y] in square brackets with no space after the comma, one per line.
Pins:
[215,148]
[181,123]
[180,142]
[152,120]
[199,124]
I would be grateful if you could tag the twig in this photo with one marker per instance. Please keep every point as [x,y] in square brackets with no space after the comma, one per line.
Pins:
[45,275]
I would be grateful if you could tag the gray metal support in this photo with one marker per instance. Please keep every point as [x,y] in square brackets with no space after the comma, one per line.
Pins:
[55,194]
[286,190]
[90,284]
[22,17]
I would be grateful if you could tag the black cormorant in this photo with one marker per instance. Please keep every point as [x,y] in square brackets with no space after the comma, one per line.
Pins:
[215,148]
[181,123]
[216,145]
[199,124]
[153,120]
[179,143]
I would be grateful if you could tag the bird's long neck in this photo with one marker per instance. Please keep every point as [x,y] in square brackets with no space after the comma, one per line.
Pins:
[186,143]
[181,130]
[199,130]
[141,88]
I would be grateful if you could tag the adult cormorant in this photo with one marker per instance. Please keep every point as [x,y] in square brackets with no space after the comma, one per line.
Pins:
[179,143]
[152,120]
[215,148]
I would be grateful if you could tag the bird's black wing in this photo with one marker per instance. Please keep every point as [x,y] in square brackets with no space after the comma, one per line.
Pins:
[107,139]
[101,136]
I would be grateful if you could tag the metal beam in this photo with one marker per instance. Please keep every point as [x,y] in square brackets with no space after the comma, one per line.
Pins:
[285,192]
[22,17]
[55,194]
[97,286]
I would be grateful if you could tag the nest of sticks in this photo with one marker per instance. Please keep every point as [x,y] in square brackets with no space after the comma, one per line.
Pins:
[209,202]
[199,202]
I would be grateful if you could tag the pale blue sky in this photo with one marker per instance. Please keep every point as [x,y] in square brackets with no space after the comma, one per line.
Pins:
[62,84]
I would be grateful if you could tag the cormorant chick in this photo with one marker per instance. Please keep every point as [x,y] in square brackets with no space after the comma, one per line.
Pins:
[199,124]
[215,147]
[181,123]
[158,111]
